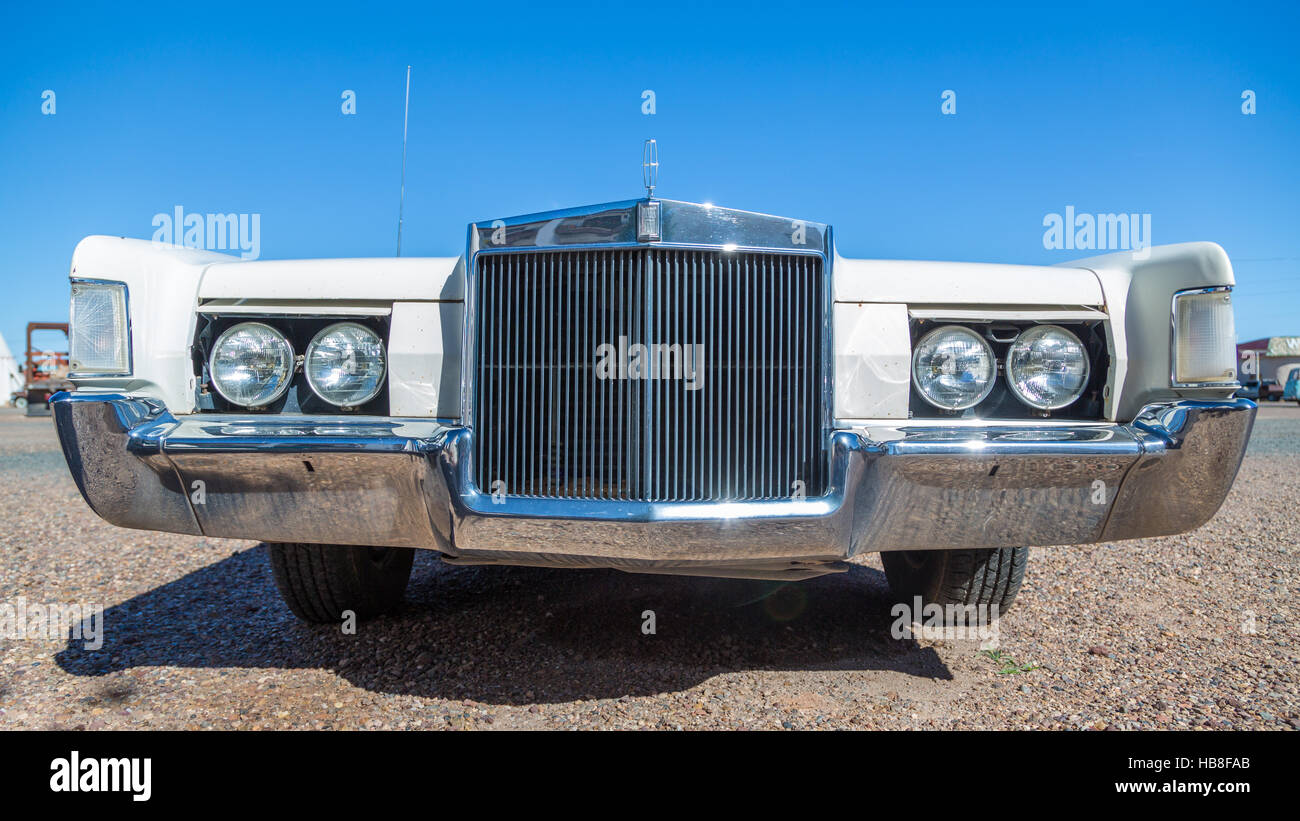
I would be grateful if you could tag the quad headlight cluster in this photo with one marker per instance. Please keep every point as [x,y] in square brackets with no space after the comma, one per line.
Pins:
[252,364]
[954,368]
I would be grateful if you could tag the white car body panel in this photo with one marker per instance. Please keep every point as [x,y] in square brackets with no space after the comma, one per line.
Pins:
[873,361]
[162,292]
[915,282]
[307,280]
[424,299]
[424,359]
[1140,288]
[294,307]
[990,314]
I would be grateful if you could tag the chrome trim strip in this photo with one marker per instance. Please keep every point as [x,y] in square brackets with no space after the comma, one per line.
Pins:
[828,343]
[130,343]
[685,223]
[684,246]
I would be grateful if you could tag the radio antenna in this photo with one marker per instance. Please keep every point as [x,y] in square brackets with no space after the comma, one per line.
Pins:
[401,200]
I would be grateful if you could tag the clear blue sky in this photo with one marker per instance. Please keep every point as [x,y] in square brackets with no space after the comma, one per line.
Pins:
[803,109]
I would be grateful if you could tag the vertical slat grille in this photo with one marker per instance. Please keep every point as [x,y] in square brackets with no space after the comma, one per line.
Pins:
[721,403]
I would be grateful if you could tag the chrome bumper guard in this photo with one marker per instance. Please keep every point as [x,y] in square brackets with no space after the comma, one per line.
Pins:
[407,483]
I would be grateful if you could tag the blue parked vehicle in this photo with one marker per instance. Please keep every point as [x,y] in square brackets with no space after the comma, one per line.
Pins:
[1292,389]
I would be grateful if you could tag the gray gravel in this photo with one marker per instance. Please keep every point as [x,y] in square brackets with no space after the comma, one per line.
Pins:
[1145,634]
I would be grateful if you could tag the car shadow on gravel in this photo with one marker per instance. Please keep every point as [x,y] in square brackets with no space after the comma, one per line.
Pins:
[515,635]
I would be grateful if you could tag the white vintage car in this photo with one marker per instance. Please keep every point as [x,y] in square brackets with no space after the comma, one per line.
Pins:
[654,386]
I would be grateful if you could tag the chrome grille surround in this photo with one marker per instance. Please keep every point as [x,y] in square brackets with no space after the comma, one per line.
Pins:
[544,291]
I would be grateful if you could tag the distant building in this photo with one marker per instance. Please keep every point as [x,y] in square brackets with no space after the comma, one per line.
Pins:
[1271,358]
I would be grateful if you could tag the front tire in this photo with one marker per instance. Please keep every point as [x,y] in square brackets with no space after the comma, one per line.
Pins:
[320,582]
[983,578]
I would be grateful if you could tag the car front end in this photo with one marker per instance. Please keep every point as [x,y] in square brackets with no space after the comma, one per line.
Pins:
[654,386]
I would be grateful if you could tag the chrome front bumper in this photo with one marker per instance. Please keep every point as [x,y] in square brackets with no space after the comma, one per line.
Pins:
[406,482]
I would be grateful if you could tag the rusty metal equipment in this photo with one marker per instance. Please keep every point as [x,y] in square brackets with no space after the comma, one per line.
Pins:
[45,372]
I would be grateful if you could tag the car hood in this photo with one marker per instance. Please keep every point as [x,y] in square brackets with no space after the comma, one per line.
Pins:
[379,278]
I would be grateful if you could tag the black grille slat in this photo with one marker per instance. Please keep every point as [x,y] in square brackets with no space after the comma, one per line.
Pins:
[547,427]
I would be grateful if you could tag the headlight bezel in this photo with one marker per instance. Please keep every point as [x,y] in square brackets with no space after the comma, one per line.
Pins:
[1013,384]
[285,384]
[309,376]
[1174,381]
[76,366]
[1000,330]
[988,351]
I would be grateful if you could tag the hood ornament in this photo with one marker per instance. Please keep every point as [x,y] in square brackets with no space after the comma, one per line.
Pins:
[650,167]
[647,213]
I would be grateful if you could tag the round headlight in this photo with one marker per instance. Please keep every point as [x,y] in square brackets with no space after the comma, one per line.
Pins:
[953,368]
[1047,367]
[251,364]
[345,364]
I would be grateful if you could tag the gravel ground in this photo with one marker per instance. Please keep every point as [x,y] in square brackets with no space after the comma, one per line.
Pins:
[1149,634]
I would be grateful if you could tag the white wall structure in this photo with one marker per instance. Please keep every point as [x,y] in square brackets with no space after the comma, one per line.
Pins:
[11,381]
